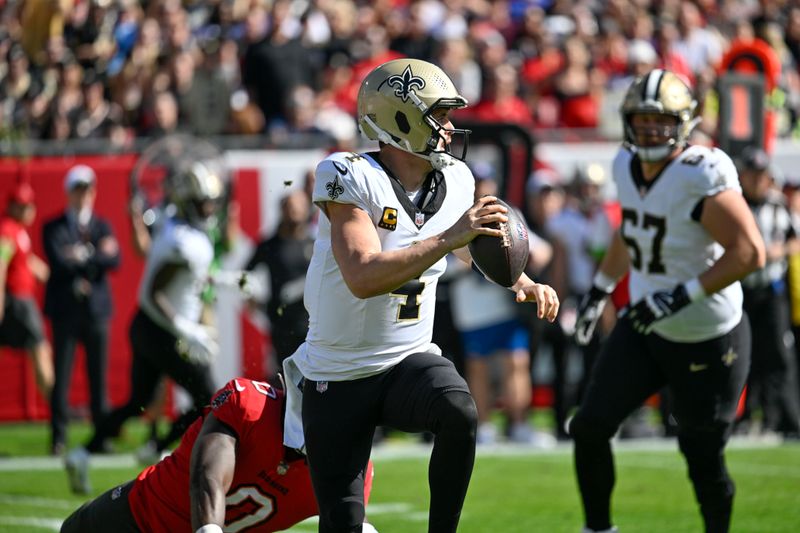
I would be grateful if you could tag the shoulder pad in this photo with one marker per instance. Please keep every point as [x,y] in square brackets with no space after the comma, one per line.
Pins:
[340,178]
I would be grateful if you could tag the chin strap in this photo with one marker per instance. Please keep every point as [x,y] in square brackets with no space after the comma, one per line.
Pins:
[438,160]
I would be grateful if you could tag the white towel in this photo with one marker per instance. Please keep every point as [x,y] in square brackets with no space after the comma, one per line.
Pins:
[293,419]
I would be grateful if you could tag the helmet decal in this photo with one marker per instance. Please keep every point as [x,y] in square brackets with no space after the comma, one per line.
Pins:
[398,103]
[405,83]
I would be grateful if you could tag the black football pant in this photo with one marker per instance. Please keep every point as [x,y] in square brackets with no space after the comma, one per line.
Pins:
[422,393]
[705,380]
[155,355]
[108,513]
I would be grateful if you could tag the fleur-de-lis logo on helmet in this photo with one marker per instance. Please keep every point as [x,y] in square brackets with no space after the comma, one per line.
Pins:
[334,188]
[405,83]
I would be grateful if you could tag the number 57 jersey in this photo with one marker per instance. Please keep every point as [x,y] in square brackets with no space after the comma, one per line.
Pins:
[351,338]
[666,243]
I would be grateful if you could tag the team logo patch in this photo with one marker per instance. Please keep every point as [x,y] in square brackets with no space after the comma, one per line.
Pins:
[388,219]
[334,188]
[405,83]
[283,468]
[221,398]
[322,386]
[729,357]
[116,493]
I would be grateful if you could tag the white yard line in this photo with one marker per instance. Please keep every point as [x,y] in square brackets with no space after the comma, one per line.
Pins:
[35,501]
[398,451]
[48,524]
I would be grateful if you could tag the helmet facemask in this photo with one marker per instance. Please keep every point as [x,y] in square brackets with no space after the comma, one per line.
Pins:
[439,151]
[397,105]
[659,93]
[197,193]
[651,152]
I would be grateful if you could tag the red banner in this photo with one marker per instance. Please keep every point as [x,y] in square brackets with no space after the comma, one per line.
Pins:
[19,398]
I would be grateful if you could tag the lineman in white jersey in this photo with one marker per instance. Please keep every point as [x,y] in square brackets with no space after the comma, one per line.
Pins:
[166,335]
[687,237]
[390,217]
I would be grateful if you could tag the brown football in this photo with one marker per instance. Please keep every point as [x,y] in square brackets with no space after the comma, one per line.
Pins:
[503,260]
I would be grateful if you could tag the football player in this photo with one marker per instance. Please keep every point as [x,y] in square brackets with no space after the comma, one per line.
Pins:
[230,470]
[167,336]
[389,219]
[686,238]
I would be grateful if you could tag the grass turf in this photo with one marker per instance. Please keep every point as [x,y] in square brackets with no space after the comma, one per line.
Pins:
[512,489]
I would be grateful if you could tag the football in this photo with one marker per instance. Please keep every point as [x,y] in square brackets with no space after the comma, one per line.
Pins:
[502,260]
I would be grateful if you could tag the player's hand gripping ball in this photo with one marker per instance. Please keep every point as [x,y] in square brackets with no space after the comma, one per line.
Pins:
[503,260]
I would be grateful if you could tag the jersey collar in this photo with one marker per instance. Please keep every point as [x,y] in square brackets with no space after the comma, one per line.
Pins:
[430,200]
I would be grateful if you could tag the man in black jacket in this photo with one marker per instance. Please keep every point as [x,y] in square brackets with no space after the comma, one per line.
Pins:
[81,249]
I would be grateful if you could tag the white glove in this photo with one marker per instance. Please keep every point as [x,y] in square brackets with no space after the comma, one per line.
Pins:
[195,341]
[209,528]
[589,312]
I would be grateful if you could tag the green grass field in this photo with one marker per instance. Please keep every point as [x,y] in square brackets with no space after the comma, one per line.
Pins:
[513,489]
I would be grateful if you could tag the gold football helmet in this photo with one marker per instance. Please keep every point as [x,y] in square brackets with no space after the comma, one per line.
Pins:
[195,178]
[396,104]
[659,92]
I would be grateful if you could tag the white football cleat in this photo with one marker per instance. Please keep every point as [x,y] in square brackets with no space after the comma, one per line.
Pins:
[148,454]
[77,464]
[486,434]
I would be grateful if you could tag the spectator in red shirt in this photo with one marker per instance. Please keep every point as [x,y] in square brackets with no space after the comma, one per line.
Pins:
[667,35]
[21,324]
[502,103]
[578,87]
[231,469]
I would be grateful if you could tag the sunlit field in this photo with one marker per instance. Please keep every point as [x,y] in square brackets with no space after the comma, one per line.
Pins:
[513,489]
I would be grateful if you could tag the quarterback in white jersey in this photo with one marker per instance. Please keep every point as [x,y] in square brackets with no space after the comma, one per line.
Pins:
[352,337]
[686,238]
[388,220]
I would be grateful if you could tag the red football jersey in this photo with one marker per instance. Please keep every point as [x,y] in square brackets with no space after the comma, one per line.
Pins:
[263,496]
[19,278]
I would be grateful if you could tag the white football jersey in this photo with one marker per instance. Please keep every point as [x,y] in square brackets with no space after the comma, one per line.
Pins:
[178,242]
[667,246]
[351,338]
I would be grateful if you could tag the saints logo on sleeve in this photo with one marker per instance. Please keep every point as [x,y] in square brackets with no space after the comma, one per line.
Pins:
[334,188]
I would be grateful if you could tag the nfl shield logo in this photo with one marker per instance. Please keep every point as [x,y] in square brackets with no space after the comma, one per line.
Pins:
[419,219]
[322,386]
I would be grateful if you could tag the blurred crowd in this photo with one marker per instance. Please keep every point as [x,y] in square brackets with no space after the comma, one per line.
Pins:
[121,69]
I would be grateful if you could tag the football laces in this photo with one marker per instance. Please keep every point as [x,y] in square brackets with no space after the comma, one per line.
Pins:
[506,235]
